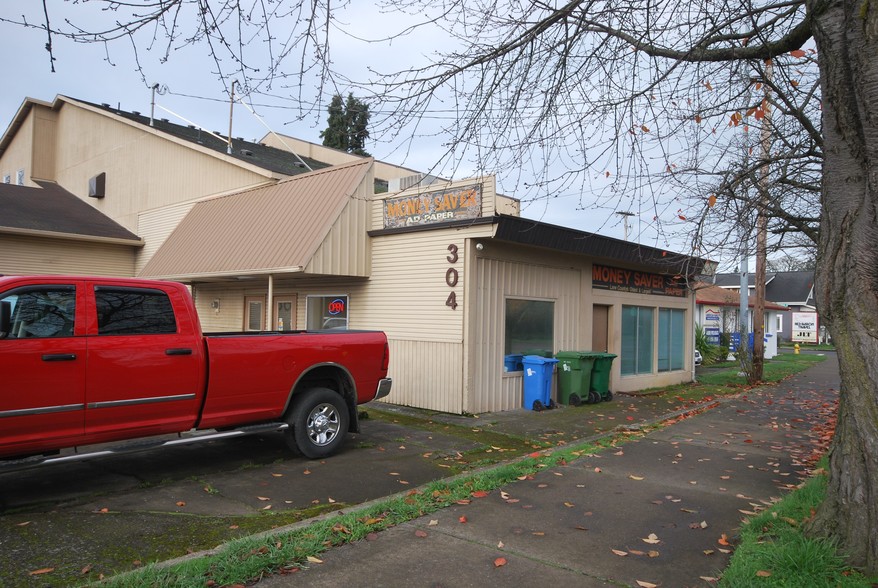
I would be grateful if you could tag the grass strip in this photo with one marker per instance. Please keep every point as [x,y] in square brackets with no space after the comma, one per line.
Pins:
[242,560]
[774,551]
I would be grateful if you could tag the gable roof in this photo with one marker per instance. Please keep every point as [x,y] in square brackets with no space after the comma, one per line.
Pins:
[268,229]
[253,153]
[258,154]
[52,211]
[716,296]
[790,288]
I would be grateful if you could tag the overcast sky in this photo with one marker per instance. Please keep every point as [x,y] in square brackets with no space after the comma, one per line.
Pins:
[194,95]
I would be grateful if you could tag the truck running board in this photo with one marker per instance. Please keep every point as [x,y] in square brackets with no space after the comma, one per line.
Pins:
[186,438]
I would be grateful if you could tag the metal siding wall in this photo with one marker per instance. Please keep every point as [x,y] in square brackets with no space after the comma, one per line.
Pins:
[426,374]
[407,291]
[346,249]
[231,313]
[31,255]
[154,226]
[45,143]
[496,281]
[405,297]
[20,154]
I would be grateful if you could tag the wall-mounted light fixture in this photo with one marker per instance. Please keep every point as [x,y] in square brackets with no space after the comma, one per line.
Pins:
[215,304]
[480,247]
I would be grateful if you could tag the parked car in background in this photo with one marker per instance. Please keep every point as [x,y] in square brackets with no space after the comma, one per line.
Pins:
[697,358]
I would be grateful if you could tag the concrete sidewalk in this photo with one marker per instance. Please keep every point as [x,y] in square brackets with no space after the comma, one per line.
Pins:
[656,510]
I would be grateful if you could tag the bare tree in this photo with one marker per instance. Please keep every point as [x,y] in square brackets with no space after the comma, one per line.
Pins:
[639,105]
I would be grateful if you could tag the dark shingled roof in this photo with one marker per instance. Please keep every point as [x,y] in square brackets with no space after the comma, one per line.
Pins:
[783,287]
[270,158]
[51,208]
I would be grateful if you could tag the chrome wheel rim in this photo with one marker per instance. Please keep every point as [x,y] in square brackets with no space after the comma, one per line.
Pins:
[323,425]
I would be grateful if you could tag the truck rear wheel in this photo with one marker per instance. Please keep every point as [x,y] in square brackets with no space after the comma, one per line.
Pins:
[319,423]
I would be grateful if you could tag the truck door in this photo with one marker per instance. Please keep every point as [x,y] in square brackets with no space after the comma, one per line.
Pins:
[42,367]
[144,372]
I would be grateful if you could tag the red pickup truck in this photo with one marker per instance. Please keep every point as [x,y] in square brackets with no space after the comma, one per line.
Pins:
[87,360]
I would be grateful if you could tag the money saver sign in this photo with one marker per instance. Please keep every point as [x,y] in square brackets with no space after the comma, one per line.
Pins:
[435,207]
[625,280]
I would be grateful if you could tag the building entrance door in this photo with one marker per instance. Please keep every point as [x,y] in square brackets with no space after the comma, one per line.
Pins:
[600,328]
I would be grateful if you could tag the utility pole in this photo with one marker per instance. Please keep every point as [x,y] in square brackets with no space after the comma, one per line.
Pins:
[744,238]
[231,112]
[625,215]
[762,233]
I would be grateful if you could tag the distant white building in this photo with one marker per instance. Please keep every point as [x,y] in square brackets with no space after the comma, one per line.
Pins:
[717,311]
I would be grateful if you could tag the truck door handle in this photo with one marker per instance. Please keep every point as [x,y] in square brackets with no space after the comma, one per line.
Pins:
[180,351]
[59,357]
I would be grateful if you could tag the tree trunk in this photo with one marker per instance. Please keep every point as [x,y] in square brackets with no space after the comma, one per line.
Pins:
[846,32]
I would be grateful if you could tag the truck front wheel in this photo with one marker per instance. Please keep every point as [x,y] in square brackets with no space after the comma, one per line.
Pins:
[319,423]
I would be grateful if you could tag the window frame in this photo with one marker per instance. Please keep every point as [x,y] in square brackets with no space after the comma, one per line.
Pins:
[545,340]
[66,330]
[313,313]
[168,311]
[641,332]
[675,339]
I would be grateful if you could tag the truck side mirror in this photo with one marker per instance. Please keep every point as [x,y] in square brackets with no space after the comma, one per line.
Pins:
[5,318]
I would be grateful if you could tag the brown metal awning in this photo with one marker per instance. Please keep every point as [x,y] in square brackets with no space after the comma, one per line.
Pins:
[271,229]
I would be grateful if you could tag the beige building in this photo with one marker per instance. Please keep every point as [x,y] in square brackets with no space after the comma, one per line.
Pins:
[458,281]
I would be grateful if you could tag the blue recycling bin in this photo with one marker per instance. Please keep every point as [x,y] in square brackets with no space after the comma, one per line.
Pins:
[512,362]
[537,381]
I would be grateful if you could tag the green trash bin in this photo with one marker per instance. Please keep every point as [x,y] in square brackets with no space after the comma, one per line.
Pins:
[600,375]
[574,376]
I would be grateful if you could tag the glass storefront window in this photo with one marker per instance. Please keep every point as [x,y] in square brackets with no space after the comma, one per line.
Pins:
[671,339]
[327,312]
[529,328]
[637,345]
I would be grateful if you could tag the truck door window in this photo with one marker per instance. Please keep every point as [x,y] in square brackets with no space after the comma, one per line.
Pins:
[134,311]
[42,311]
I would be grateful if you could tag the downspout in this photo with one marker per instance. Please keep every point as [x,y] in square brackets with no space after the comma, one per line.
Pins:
[269,307]
[695,321]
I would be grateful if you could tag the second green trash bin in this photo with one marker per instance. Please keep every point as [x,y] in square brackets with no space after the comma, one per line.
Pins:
[574,376]
[600,375]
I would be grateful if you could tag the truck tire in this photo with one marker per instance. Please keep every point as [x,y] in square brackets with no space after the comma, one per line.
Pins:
[319,422]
